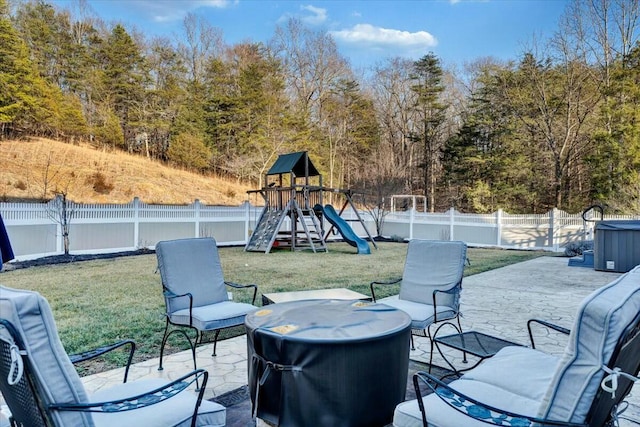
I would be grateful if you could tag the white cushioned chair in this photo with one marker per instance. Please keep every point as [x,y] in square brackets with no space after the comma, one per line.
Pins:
[195,291]
[430,285]
[42,388]
[522,386]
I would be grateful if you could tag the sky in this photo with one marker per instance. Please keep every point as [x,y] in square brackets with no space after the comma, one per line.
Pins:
[366,32]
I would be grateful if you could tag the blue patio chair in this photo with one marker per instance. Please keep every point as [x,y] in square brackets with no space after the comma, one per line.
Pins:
[195,292]
[430,285]
[41,387]
[522,386]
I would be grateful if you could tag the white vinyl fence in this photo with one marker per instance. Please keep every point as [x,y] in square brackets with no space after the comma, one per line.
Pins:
[35,229]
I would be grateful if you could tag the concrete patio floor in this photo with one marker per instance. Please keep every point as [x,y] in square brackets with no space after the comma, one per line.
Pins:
[497,302]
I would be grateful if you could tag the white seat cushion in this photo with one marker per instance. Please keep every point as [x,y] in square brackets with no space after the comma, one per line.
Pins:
[433,265]
[173,412]
[602,318]
[191,266]
[421,314]
[440,414]
[214,316]
[519,370]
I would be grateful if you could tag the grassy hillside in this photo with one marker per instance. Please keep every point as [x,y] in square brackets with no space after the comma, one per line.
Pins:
[37,169]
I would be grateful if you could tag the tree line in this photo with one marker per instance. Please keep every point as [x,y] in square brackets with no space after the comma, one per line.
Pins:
[558,126]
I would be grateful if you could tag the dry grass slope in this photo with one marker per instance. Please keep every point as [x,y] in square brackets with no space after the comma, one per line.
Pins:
[39,168]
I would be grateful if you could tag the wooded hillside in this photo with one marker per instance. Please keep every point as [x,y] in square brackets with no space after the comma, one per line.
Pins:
[42,168]
[558,126]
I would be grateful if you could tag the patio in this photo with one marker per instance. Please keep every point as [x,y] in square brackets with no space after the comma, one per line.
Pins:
[498,302]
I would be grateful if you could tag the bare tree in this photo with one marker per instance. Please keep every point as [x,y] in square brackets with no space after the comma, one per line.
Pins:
[61,211]
[393,98]
[312,65]
[201,42]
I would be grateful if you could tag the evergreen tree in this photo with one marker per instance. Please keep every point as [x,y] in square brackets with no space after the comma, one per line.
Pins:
[125,78]
[27,103]
[615,162]
[427,78]
[165,96]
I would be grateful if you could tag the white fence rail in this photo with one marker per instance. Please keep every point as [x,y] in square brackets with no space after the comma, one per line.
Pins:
[35,229]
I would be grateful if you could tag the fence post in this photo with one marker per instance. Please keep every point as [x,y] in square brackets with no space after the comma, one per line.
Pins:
[59,239]
[196,214]
[247,218]
[552,229]
[136,223]
[412,217]
[499,227]
[452,219]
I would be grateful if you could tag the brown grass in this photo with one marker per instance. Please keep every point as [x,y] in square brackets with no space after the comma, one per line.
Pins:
[38,169]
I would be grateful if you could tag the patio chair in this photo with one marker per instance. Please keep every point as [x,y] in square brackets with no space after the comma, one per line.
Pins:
[41,387]
[430,285]
[195,292]
[522,386]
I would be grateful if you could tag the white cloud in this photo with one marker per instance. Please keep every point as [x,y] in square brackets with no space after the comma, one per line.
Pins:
[367,35]
[175,10]
[317,17]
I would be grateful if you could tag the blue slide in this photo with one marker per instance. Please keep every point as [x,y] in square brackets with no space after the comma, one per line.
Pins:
[345,229]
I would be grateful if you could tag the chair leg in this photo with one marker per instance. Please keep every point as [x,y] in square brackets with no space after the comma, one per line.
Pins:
[164,341]
[428,334]
[192,344]
[464,353]
[215,342]
[430,355]
[413,347]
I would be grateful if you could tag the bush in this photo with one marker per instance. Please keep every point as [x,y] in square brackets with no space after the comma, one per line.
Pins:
[100,184]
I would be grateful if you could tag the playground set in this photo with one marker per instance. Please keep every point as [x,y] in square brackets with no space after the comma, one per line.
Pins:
[293,189]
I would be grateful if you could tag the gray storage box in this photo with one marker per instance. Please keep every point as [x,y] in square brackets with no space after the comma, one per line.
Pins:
[617,245]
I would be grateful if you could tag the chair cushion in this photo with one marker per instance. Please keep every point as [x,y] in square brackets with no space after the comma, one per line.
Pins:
[432,265]
[191,266]
[176,411]
[519,370]
[31,316]
[440,414]
[601,320]
[214,316]
[421,314]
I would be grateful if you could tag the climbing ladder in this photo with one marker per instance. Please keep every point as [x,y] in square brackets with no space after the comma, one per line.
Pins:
[268,233]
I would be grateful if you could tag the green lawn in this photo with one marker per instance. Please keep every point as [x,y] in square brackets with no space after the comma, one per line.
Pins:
[101,301]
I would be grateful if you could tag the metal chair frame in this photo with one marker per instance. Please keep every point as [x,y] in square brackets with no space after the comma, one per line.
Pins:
[199,334]
[22,392]
[604,408]
[426,333]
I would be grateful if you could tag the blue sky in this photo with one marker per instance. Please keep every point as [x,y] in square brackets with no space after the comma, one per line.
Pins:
[366,31]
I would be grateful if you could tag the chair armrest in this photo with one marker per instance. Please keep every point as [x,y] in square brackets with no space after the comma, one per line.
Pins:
[149,398]
[92,354]
[452,290]
[170,295]
[373,294]
[546,324]
[238,286]
[475,409]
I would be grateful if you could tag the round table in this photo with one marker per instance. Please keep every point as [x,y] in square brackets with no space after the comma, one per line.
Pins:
[327,362]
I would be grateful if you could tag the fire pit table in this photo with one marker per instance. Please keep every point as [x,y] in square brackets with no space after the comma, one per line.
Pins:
[327,362]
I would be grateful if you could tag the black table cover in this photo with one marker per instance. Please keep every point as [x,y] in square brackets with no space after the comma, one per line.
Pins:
[327,362]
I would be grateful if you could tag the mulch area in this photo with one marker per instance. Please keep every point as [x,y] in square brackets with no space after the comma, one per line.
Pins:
[65,259]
